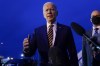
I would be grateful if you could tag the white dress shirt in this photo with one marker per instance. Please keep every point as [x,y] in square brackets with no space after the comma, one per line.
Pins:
[93,33]
[54,31]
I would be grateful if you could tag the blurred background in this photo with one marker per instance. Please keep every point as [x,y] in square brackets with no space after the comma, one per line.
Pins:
[18,18]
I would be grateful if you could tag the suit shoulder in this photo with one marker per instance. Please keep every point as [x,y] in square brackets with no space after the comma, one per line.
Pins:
[40,27]
[89,32]
[64,26]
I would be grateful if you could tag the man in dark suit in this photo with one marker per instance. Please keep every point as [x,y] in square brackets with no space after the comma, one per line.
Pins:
[91,56]
[51,35]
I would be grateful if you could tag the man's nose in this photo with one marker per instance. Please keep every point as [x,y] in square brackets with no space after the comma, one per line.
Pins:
[49,11]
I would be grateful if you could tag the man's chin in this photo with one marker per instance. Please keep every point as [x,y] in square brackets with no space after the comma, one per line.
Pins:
[50,22]
[51,19]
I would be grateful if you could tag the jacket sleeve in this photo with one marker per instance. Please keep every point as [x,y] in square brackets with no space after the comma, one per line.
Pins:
[72,49]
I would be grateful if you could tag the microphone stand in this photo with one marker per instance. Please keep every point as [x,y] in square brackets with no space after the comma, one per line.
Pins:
[98,47]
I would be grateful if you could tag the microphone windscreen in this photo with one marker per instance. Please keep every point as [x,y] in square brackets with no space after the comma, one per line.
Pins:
[78,29]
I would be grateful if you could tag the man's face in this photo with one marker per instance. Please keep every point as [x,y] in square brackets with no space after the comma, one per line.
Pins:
[95,18]
[50,12]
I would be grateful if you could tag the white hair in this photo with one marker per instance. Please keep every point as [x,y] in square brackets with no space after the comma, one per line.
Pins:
[51,4]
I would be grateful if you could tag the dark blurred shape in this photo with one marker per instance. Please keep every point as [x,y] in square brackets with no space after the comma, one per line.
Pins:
[56,57]
[1,57]
[20,62]
[96,20]
[77,28]
[81,31]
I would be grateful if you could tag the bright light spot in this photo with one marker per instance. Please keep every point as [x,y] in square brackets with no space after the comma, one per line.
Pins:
[22,55]
[1,42]
[11,58]
[8,58]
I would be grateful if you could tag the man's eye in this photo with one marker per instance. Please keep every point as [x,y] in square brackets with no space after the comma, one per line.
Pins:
[53,10]
[46,10]
[50,10]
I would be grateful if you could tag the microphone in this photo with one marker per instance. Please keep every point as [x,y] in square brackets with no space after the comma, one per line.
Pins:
[81,31]
[78,29]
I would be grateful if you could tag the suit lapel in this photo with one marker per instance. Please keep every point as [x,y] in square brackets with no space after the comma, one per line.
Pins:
[57,33]
[45,35]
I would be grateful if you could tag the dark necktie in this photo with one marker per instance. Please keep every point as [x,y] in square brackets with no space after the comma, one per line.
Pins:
[50,35]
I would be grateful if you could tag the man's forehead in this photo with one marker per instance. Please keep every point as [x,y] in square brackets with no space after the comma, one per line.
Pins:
[95,13]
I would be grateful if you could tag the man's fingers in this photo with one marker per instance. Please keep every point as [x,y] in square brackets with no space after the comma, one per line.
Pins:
[25,43]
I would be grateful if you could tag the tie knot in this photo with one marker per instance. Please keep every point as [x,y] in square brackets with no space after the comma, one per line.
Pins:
[51,25]
[96,29]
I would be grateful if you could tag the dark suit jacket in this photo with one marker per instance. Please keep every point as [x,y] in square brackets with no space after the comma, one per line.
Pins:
[87,51]
[64,40]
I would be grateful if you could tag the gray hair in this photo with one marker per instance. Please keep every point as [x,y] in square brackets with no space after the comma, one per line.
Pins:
[51,4]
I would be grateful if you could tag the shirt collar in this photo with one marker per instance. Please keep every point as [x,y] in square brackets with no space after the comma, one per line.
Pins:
[55,23]
[96,27]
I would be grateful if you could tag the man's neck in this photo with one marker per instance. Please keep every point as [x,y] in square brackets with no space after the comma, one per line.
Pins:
[52,21]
